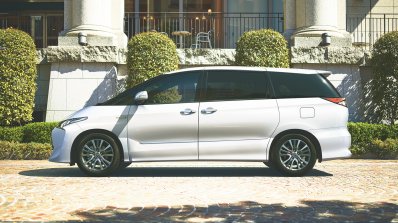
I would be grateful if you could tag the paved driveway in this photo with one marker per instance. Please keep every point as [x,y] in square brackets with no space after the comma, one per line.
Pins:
[347,190]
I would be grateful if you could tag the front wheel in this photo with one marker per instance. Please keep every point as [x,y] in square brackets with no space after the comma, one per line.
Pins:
[98,155]
[294,155]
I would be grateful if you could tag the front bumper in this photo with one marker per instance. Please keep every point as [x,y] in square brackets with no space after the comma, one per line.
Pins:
[62,140]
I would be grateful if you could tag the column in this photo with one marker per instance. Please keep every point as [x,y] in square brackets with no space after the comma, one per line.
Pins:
[86,73]
[289,9]
[100,20]
[314,17]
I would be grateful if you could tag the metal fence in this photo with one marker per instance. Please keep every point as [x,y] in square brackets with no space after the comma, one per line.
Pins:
[367,29]
[225,28]
[44,28]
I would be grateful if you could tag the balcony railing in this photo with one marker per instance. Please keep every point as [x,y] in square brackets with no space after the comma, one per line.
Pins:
[225,28]
[367,29]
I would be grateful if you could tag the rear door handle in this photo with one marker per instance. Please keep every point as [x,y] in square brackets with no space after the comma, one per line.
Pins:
[208,110]
[187,111]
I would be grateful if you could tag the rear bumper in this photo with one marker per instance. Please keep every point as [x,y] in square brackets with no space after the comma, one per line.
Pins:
[335,142]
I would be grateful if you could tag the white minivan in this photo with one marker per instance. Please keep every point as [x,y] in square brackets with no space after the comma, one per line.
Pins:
[286,118]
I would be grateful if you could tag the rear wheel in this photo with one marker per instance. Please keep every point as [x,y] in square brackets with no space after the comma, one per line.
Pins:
[98,155]
[294,155]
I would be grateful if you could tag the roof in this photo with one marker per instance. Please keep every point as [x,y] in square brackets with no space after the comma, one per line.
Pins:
[286,70]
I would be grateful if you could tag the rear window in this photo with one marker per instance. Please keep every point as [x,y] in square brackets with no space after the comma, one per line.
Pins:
[294,85]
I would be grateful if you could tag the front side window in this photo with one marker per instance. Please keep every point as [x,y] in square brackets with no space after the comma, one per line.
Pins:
[167,89]
[225,85]
[179,88]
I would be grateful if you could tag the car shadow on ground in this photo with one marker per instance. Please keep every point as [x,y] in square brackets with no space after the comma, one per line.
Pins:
[172,172]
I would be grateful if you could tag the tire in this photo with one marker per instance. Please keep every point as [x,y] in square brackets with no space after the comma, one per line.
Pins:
[124,165]
[269,164]
[294,155]
[98,155]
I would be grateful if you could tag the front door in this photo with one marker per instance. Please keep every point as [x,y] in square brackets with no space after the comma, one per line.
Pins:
[237,116]
[166,126]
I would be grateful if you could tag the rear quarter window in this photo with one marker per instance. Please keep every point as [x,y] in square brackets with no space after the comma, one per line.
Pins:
[296,85]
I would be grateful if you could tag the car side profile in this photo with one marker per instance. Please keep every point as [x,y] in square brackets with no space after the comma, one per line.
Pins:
[286,118]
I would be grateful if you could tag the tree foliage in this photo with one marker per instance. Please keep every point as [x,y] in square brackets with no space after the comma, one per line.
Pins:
[17,77]
[385,81]
[265,48]
[150,54]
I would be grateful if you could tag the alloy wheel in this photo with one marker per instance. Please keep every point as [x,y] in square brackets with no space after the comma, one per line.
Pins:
[97,154]
[295,154]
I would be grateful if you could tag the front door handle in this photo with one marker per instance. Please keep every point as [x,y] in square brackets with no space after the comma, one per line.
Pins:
[187,111]
[208,110]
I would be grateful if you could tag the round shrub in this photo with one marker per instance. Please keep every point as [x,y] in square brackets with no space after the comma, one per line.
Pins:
[385,81]
[150,54]
[17,77]
[263,48]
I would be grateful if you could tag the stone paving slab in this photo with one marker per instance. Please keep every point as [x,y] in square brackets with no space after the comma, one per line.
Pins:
[335,191]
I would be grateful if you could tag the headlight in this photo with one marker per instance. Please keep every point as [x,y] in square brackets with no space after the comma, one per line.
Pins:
[69,121]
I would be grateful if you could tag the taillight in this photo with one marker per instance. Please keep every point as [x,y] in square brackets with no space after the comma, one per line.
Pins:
[339,101]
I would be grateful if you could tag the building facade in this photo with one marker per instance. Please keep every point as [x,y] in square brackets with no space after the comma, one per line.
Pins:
[74,74]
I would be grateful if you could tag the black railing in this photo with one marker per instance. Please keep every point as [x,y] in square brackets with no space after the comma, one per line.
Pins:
[44,28]
[367,29]
[225,28]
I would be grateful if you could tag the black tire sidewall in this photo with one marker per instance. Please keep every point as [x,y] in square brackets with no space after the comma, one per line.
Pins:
[98,173]
[276,159]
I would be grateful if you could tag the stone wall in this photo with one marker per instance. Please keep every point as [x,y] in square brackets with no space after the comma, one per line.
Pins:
[104,79]
[70,78]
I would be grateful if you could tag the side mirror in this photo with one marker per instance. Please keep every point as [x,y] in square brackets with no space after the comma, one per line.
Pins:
[141,97]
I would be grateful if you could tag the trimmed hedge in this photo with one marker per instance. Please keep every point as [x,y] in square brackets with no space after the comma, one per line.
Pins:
[362,134]
[11,134]
[263,48]
[150,54]
[24,151]
[17,77]
[39,132]
[385,149]
[373,139]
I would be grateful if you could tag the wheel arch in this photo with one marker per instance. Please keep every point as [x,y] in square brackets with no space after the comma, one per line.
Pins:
[297,131]
[73,153]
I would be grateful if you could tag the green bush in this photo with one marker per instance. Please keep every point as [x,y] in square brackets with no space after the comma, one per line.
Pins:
[364,138]
[385,149]
[24,151]
[385,81]
[39,132]
[18,75]
[11,134]
[150,54]
[362,134]
[264,48]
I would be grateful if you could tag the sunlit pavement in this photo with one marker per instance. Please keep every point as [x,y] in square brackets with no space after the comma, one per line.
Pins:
[335,191]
